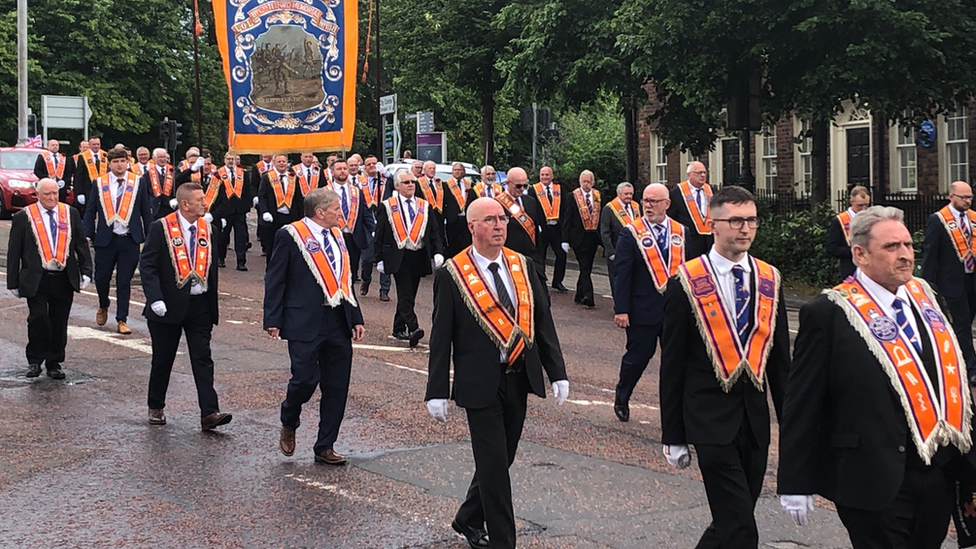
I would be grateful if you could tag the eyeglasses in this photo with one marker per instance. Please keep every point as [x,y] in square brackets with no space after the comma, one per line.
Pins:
[737,222]
[963,196]
[654,202]
[495,219]
[521,185]
[703,172]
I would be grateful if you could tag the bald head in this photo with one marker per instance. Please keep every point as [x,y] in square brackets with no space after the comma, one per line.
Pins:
[484,206]
[656,202]
[961,195]
[697,174]
[516,181]
[47,193]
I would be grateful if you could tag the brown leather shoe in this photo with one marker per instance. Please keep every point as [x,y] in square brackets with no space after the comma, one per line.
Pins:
[287,441]
[101,317]
[124,328]
[384,296]
[215,419]
[157,417]
[330,457]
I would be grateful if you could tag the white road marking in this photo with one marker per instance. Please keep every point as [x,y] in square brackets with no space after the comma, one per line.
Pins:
[604,403]
[84,332]
[414,370]
[235,322]
[342,492]
[112,298]
[369,347]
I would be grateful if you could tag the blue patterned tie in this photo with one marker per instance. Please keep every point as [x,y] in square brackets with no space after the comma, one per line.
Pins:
[741,303]
[411,210]
[345,203]
[906,328]
[329,252]
[698,198]
[967,232]
[54,225]
[193,244]
[661,241]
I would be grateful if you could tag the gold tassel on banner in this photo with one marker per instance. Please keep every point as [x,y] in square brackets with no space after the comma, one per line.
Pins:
[369,33]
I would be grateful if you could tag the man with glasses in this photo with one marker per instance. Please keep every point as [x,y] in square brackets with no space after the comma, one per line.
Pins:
[405,243]
[580,231]
[549,195]
[648,253]
[949,261]
[725,346]
[525,218]
[839,233]
[690,206]
[486,187]
[618,213]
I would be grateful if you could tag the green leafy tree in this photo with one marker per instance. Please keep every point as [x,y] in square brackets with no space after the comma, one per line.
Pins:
[591,138]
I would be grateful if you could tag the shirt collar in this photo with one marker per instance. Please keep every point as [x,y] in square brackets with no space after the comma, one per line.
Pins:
[184,224]
[956,213]
[880,293]
[483,261]
[315,227]
[723,266]
[851,212]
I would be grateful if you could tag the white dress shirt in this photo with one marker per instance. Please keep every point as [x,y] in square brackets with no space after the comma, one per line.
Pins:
[195,287]
[726,280]
[118,227]
[283,177]
[483,263]
[316,230]
[885,299]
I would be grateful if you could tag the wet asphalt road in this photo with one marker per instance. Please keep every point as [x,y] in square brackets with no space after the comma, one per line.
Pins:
[80,466]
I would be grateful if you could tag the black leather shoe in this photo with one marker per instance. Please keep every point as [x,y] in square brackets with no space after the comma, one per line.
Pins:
[560,288]
[33,370]
[404,336]
[54,371]
[622,411]
[384,296]
[364,289]
[477,537]
[416,336]
[221,263]
[588,303]
[241,267]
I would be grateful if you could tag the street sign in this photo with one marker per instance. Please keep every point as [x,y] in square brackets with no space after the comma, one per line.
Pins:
[425,122]
[388,104]
[64,111]
[432,146]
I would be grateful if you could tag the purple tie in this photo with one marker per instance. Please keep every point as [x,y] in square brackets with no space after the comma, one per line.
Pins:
[53,225]
[968,233]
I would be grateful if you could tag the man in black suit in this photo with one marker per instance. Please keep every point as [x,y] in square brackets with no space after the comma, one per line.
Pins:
[648,253]
[620,211]
[357,224]
[52,164]
[309,300]
[581,231]
[70,169]
[116,223]
[525,219]
[494,368]
[838,243]
[457,236]
[47,261]
[280,200]
[725,342]
[690,207]
[878,412]
[160,180]
[179,278]
[233,203]
[91,164]
[406,243]
[257,172]
[949,263]
[553,204]
[375,190]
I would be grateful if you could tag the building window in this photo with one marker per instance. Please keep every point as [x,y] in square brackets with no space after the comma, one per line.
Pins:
[805,148]
[907,167]
[957,155]
[767,150]
[660,161]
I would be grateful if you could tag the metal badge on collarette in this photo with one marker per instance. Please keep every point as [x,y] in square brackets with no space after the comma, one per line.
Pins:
[312,246]
[883,328]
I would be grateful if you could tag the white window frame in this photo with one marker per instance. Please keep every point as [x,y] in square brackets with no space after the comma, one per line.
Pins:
[766,142]
[803,158]
[956,139]
[905,156]
[660,160]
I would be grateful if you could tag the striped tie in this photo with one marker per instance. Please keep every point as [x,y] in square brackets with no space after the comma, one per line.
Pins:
[741,303]
[906,328]
[967,232]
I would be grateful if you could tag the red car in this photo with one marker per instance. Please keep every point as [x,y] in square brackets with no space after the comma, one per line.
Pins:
[17,179]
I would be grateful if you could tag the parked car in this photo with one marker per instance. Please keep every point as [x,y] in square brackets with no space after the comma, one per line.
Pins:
[17,179]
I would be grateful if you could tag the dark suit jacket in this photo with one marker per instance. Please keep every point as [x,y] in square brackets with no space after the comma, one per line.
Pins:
[159,278]
[563,204]
[940,262]
[159,204]
[455,333]
[81,182]
[226,205]
[572,221]
[837,247]
[609,230]
[451,206]
[843,432]
[255,182]
[365,222]
[40,171]
[694,408]
[293,300]
[24,268]
[385,247]
[634,293]
[268,204]
[696,244]
[139,223]
[519,240]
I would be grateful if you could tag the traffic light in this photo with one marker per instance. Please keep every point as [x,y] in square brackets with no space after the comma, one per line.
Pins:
[175,135]
[164,132]
[32,124]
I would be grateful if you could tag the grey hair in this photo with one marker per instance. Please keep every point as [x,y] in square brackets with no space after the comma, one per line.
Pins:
[319,198]
[623,186]
[864,221]
[691,164]
[485,168]
[589,173]
[398,178]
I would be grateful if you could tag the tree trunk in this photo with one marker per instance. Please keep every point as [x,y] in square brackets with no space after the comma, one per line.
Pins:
[630,118]
[488,127]
[818,157]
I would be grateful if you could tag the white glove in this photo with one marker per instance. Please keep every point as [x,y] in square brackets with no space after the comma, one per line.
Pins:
[207,217]
[85,281]
[173,204]
[223,223]
[438,408]
[254,201]
[379,268]
[198,164]
[438,260]
[81,199]
[798,507]
[60,183]
[612,257]
[158,307]
[566,247]
[15,292]
[677,455]
[247,216]
[266,216]
[560,390]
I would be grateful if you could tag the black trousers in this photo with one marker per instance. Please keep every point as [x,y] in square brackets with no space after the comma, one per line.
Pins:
[552,237]
[585,253]
[495,433]
[368,260]
[326,363]
[610,272]
[733,476]
[963,310]
[267,236]
[355,253]
[198,327]
[47,319]
[238,223]
[407,280]
[918,518]
[641,344]
[121,256]
[458,236]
